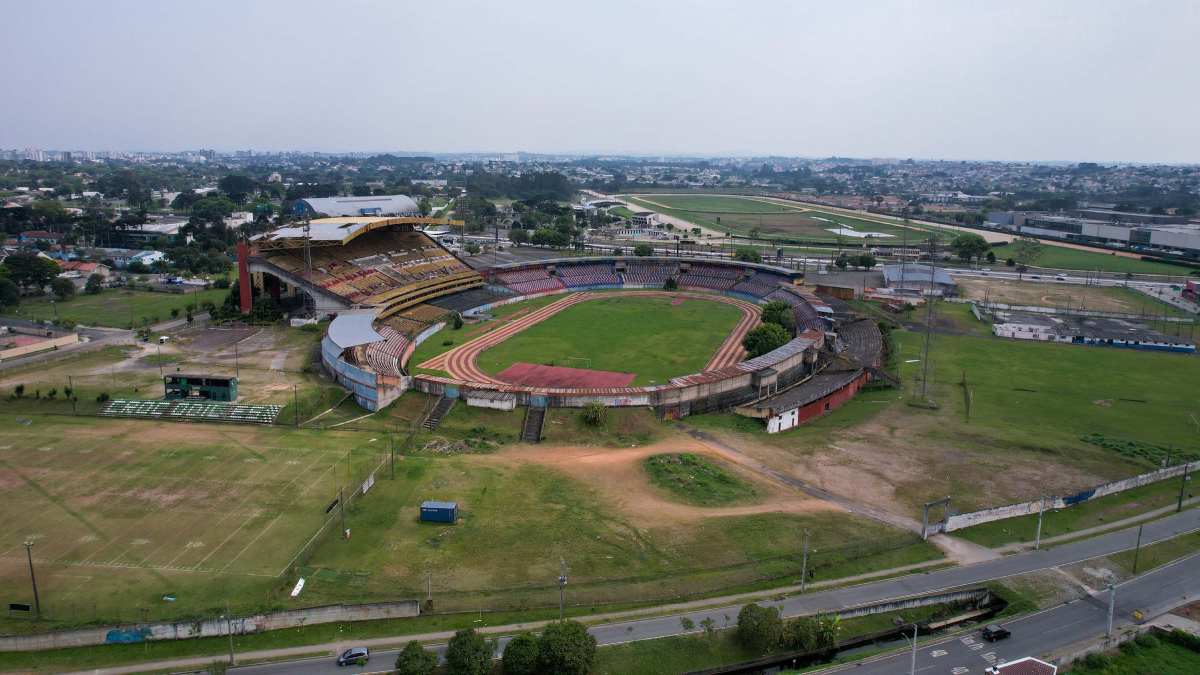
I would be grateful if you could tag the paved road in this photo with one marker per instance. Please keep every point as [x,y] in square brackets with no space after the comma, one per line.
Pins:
[1086,619]
[665,626]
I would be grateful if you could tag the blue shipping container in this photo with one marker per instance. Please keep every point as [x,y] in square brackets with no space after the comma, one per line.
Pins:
[439,512]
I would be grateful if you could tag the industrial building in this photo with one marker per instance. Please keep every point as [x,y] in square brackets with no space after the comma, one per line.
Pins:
[1113,229]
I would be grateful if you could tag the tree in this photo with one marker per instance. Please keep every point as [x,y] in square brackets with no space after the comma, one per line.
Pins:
[670,284]
[747,254]
[518,237]
[594,414]
[468,654]
[63,289]
[566,648]
[643,250]
[414,660]
[424,206]
[765,338]
[472,248]
[865,260]
[521,655]
[759,629]
[236,187]
[842,262]
[968,246]
[780,313]
[10,294]
[991,257]
[1025,251]
[94,285]
[811,633]
[29,270]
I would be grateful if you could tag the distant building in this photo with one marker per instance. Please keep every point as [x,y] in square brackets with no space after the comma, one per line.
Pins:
[953,198]
[382,205]
[1166,234]
[34,236]
[83,269]
[643,219]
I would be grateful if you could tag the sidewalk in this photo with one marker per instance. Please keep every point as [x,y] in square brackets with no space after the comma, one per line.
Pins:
[1019,546]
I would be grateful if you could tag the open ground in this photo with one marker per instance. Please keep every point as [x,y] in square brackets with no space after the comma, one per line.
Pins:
[1065,296]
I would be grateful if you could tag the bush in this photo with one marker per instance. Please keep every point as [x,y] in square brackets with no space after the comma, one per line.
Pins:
[223,282]
[780,313]
[18,391]
[103,397]
[311,328]
[62,288]
[566,648]
[521,655]
[759,629]
[748,255]
[414,660]
[594,414]
[643,250]
[94,285]
[468,654]
[457,321]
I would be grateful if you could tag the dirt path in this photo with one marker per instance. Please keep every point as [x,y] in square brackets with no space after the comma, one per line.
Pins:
[619,476]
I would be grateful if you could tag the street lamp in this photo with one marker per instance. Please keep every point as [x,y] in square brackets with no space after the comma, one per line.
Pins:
[37,603]
[912,668]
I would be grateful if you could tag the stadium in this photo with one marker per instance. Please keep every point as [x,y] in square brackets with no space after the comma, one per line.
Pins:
[658,332]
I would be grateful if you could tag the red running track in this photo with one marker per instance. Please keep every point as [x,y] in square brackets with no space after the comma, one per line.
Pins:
[460,362]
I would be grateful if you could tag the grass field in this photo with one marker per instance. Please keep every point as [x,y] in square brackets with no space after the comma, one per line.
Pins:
[650,337]
[124,512]
[115,307]
[448,338]
[697,480]
[1068,296]
[1061,257]
[728,213]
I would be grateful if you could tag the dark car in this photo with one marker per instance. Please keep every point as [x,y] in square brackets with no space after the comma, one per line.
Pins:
[992,632]
[354,656]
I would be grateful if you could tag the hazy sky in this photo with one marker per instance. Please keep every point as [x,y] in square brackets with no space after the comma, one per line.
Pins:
[1088,80]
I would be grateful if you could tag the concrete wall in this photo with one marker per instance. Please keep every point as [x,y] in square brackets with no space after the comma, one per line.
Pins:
[962,520]
[44,345]
[978,595]
[182,630]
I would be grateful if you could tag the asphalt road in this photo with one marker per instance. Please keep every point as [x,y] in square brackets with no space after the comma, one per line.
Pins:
[1085,619]
[917,584]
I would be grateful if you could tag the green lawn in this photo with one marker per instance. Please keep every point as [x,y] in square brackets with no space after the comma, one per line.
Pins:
[648,336]
[1092,513]
[1061,257]
[1177,653]
[448,338]
[697,480]
[1157,555]
[115,307]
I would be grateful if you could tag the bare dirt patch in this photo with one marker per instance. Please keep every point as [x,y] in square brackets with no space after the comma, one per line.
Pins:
[1045,295]
[619,476]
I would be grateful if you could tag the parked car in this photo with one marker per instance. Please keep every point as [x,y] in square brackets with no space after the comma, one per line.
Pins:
[354,656]
[992,632]
[1060,277]
[1034,276]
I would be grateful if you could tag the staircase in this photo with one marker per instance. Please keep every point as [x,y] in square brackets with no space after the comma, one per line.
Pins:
[439,411]
[531,430]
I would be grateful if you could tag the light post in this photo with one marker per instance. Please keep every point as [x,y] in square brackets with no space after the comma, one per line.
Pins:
[37,603]
[912,666]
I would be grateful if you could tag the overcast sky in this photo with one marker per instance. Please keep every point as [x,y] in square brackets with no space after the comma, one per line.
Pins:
[1088,80]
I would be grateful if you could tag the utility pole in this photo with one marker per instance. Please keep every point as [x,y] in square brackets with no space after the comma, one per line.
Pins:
[428,587]
[296,404]
[1112,604]
[912,666]
[160,369]
[229,629]
[1037,544]
[562,585]
[804,564]
[342,509]
[71,394]
[37,603]
[237,370]
[1182,485]
[1137,549]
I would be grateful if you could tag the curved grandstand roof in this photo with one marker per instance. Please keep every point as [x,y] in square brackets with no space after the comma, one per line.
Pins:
[353,328]
[380,205]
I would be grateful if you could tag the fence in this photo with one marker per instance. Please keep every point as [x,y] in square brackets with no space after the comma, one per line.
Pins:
[212,627]
[964,520]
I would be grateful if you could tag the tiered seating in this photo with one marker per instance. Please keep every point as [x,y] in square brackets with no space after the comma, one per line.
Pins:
[806,316]
[649,274]
[384,357]
[198,410]
[759,285]
[593,274]
[529,281]
[710,277]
